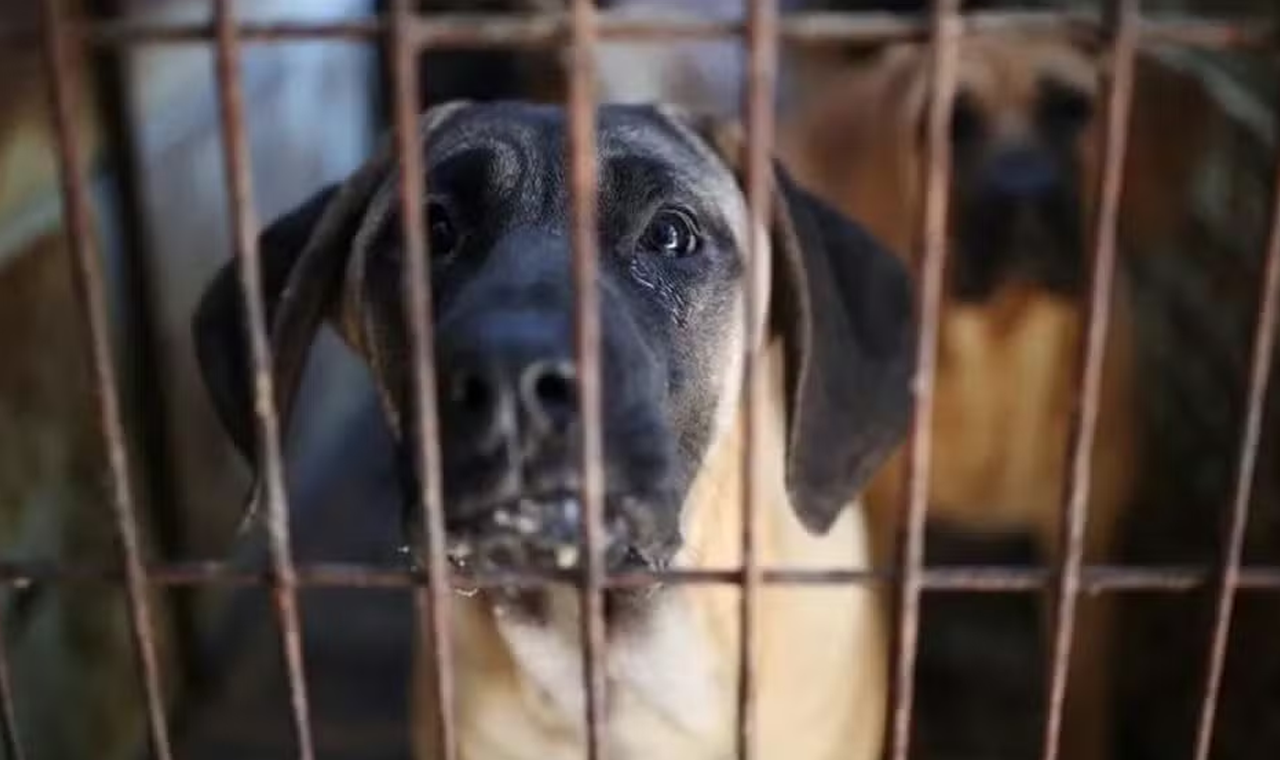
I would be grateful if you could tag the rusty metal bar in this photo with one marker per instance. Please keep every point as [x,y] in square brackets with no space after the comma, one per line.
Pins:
[130,32]
[1222,34]
[944,47]
[1119,89]
[64,84]
[1264,342]
[583,188]
[9,739]
[472,30]
[145,386]
[432,600]
[980,579]
[758,99]
[271,464]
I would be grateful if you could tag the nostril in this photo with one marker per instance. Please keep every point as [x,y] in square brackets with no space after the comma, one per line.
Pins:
[550,393]
[481,403]
[554,391]
[470,392]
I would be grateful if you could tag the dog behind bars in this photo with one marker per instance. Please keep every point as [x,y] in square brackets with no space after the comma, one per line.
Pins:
[1025,141]
[836,357]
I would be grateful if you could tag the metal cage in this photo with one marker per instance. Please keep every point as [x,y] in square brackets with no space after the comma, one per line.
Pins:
[405,33]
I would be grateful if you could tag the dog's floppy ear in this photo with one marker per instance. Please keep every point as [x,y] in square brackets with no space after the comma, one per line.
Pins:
[219,331]
[843,305]
[303,257]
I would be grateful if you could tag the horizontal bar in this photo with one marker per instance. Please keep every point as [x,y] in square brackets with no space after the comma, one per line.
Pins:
[337,575]
[481,30]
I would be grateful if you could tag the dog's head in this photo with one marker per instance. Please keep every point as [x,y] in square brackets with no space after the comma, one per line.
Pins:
[672,242]
[1026,136]
[1017,129]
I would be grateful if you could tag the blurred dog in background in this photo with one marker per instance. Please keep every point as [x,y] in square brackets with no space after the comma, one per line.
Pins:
[1025,137]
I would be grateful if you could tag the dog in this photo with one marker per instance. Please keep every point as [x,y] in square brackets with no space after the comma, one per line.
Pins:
[1025,141]
[839,355]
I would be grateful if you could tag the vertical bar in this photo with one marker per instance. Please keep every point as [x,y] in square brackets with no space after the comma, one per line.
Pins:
[944,37]
[64,85]
[433,601]
[762,48]
[1229,579]
[582,172]
[271,466]
[146,388]
[109,77]
[9,740]
[1119,88]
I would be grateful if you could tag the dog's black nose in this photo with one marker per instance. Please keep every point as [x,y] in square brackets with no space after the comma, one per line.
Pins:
[1019,215]
[1022,174]
[506,379]
[498,397]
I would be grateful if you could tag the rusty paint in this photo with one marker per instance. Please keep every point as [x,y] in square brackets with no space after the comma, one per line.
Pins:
[582,174]
[271,463]
[945,41]
[91,290]
[432,600]
[1119,100]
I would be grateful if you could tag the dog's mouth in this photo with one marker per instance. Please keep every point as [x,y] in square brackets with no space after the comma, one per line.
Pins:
[543,533]
[994,244]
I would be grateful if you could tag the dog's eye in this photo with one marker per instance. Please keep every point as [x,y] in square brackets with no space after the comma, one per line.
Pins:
[671,232]
[440,228]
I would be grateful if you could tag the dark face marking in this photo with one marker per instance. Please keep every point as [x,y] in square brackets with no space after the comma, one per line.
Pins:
[1018,208]
[670,272]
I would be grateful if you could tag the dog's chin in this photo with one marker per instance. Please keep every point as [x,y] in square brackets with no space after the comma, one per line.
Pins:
[541,535]
[1053,270]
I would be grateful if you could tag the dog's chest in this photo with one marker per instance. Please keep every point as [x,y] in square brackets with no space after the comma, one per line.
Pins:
[1003,408]
[663,698]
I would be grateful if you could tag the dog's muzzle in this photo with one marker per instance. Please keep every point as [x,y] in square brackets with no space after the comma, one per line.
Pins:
[511,449]
[1019,217]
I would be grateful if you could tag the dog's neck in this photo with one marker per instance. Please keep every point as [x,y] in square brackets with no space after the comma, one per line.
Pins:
[673,674]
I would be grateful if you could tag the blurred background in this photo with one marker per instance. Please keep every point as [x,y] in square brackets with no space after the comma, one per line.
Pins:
[150,128]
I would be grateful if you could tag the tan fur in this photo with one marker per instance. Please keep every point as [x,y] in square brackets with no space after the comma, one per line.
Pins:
[672,681]
[1007,369]
[1006,383]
